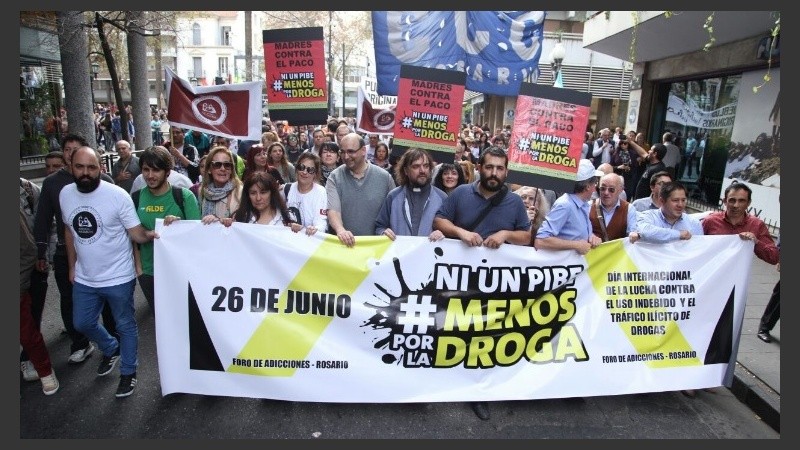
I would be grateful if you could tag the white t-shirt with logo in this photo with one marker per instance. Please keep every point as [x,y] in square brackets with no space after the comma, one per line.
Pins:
[310,208]
[99,222]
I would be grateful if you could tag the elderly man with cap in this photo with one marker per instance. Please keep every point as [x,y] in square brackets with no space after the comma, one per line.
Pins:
[567,225]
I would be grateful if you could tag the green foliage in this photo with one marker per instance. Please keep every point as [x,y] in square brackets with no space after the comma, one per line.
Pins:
[632,53]
[776,30]
[710,29]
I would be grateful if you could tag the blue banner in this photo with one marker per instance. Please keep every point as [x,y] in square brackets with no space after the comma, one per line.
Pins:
[497,49]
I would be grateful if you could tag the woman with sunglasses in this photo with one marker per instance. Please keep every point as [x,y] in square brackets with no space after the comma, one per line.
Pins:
[306,199]
[221,190]
[262,204]
[621,160]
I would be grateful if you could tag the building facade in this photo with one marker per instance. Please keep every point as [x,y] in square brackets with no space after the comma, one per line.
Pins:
[721,87]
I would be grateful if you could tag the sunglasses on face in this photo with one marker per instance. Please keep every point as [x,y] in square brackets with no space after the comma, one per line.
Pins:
[610,190]
[307,169]
[221,164]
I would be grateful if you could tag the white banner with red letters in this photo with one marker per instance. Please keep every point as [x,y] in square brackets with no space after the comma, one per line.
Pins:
[259,311]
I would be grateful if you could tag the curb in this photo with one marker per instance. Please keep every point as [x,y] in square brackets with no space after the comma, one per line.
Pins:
[760,398]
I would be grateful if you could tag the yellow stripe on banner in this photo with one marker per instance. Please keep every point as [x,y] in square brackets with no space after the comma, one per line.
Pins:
[605,262]
[289,337]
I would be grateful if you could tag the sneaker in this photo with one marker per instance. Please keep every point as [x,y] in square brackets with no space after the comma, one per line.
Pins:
[107,364]
[50,384]
[28,371]
[127,383]
[80,356]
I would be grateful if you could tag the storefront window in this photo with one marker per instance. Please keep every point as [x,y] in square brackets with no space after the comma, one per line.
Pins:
[701,114]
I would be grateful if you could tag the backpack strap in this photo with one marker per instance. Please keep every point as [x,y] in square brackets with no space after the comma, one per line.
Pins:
[286,188]
[494,201]
[135,197]
[177,195]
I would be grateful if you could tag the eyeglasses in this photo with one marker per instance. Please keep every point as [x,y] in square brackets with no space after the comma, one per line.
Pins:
[307,169]
[349,151]
[221,164]
[610,190]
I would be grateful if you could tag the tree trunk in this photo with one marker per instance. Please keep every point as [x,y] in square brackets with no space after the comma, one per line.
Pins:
[137,63]
[75,66]
[112,72]
[159,70]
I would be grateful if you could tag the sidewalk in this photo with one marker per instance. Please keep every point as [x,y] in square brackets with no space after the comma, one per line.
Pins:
[757,379]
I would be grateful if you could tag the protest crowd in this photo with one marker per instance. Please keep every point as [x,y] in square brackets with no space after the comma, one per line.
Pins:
[328,178]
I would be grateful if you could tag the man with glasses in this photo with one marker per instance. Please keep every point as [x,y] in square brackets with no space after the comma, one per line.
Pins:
[356,191]
[612,217]
[567,225]
[653,201]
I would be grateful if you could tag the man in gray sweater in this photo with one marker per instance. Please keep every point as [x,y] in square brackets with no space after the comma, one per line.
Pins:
[356,191]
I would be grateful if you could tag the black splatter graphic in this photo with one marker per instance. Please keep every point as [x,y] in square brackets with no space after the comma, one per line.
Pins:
[414,321]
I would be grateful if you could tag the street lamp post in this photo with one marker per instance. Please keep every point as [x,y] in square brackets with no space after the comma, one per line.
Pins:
[557,57]
[95,71]
[344,78]
[330,65]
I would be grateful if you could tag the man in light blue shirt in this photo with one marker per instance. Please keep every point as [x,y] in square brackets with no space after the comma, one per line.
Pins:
[567,225]
[670,222]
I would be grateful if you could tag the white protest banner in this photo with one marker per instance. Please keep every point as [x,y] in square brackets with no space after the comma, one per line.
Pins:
[258,311]
[690,114]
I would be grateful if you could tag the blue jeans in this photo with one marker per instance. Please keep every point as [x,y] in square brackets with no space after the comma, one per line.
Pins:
[61,271]
[87,302]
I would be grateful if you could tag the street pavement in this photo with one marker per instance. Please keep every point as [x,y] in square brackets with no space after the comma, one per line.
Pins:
[85,406]
[757,380]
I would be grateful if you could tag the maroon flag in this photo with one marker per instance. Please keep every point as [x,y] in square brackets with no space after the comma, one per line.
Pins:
[230,110]
[375,113]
